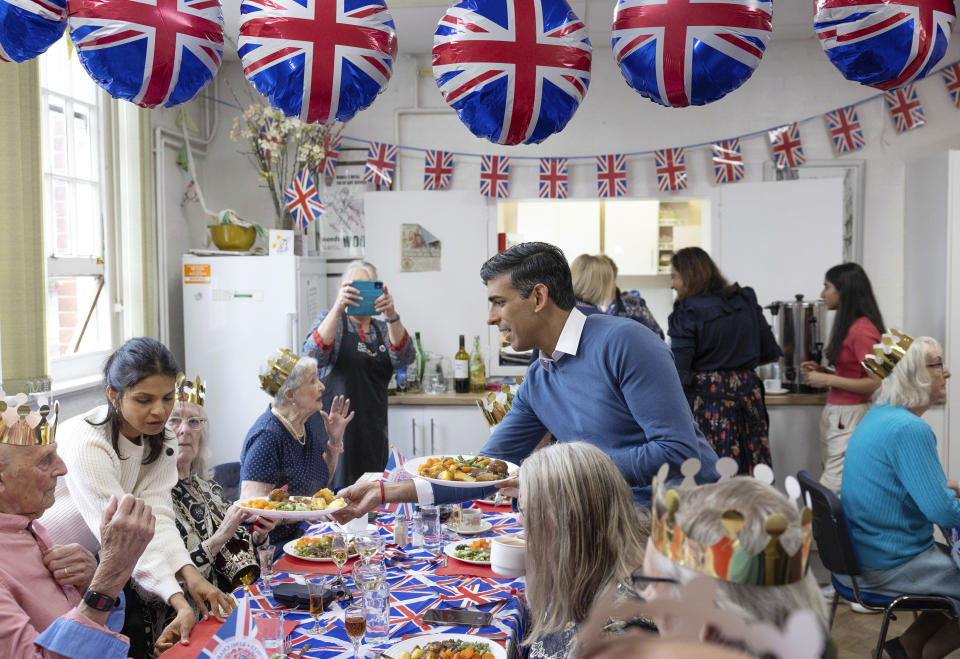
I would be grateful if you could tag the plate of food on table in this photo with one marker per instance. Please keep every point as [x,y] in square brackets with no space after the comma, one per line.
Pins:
[317,548]
[494,501]
[446,646]
[470,551]
[280,504]
[462,470]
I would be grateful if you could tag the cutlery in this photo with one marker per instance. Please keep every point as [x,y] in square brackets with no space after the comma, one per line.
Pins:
[303,651]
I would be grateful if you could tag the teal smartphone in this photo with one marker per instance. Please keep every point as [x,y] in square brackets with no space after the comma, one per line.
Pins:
[369,291]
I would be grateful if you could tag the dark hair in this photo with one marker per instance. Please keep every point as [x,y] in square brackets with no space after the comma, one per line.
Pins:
[529,264]
[700,274]
[134,361]
[856,300]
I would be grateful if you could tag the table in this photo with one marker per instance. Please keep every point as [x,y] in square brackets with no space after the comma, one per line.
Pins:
[413,590]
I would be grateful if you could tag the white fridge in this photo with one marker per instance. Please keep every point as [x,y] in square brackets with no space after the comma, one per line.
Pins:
[236,311]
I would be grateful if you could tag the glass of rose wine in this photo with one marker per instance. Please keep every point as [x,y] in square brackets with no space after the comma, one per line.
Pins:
[355,623]
[315,588]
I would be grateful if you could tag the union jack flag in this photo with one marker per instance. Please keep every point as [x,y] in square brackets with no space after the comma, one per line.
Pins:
[331,154]
[553,178]
[787,147]
[845,130]
[381,161]
[515,71]
[30,27]
[302,199]
[671,169]
[904,107]
[727,161]
[394,472]
[678,52]
[884,44]
[150,52]
[437,169]
[611,176]
[318,60]
[951,77]
[236,635]
[494,176]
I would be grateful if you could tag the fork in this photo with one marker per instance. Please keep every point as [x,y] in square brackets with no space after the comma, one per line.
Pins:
[498,500]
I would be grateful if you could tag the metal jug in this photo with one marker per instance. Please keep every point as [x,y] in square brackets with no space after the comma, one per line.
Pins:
[800,331]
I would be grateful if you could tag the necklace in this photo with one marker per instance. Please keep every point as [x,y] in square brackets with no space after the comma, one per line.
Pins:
[299,436]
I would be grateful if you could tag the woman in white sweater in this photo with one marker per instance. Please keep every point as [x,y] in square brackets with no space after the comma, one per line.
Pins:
[122,448]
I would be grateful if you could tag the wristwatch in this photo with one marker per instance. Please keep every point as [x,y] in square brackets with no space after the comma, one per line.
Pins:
[99,601]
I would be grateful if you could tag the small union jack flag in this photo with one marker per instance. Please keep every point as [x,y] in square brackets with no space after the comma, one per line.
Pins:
[553,178]
[951,77]
[611,176]
[395,471]
[494,176]
[381,161]
[904,107]
[331,154]
[671,169]
[303,202]
[437,170]
[845,130]
[787,147]
[727,161]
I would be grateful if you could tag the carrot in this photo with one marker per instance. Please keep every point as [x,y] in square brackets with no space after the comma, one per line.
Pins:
[486,655]
[466,653]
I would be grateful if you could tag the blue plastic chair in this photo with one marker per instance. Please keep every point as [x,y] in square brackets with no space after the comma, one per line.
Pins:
[228,475]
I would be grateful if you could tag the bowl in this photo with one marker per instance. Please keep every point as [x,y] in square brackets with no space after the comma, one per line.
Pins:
[232,237]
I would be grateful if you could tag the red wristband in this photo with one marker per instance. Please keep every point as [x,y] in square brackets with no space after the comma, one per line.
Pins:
[383,496]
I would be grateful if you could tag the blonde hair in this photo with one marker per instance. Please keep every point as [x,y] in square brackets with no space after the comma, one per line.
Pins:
[593,279]
[908,384]
[582,528]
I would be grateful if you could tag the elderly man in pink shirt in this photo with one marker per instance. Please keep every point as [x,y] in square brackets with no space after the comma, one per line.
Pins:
[55,600]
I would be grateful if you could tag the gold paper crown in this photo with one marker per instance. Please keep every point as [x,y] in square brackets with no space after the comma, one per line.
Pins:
[891,349]
[726,559]
[279,371]
[21,426]
[190,392]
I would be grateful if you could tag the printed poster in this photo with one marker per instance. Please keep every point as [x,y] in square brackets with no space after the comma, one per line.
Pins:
[419,249]
[342,233]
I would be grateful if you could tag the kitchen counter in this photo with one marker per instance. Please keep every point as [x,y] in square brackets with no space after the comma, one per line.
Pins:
[795,399]
[448,398]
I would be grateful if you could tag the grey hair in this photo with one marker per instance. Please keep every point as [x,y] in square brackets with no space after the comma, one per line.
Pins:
[201,463]
[297,376]
[908,385]
[699,517]
[359,264]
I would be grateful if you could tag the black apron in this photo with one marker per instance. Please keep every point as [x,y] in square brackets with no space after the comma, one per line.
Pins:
[361,373]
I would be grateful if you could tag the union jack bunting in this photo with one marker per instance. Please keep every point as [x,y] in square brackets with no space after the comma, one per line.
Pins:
[671,169]
[611,176]
[727,161]
[516,70]
[885,44]
[318,60]
[437,169]
[494,176]
[553,178]
[381,161]
[151,52]
[331,154]
[845,130]
[30,27]
[951,78]
[787,147]
[678,52]
[302,200]
[904,107]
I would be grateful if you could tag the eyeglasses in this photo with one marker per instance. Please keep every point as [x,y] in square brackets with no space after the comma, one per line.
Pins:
[193,423]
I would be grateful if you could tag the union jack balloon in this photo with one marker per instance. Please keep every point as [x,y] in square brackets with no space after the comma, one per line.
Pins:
[149,52]
[514,70]
[884,43]
[686,52]
[29,27]
[319,60]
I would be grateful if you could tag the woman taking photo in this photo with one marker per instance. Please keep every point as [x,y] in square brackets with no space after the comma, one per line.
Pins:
[719,336]
[358,354]
[123,448]
[857,326]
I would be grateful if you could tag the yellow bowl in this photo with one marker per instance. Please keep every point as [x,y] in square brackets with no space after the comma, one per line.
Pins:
[232,237]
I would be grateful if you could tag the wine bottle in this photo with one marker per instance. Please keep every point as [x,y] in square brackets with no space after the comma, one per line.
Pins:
[419,361]
[461,370]
[478,372]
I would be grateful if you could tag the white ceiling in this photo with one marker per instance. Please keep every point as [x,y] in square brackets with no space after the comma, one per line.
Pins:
[417,19]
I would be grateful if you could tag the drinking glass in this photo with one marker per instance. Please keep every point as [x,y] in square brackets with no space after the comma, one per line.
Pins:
[369,575]
[265,556]
[432,533]
[315,588]
[377,602]
[269,626]
[355,623]
[450,517]
[368,544]
[338,551]
[470,519]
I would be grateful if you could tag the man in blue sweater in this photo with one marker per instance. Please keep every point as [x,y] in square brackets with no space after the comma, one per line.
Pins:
[601,379]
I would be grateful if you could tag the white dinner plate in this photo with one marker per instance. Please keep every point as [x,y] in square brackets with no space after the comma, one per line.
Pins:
[484,527]
[450,550]
[408,645]
[413,465]
[286,514]
[493,502]
[288,549]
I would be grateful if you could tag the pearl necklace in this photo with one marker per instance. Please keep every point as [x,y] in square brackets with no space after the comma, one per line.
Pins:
[299,436]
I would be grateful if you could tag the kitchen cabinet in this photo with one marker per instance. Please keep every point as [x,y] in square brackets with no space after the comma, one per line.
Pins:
[631,235]
[418,430]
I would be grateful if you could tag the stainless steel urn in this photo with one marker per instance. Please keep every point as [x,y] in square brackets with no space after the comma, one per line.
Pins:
[800,328]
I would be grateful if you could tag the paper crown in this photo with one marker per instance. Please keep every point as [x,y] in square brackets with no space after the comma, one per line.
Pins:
[891,349]
[280,369]
[190,392]
[21,426]
[726,559]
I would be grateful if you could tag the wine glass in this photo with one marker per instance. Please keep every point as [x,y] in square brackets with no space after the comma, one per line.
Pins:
[368,544]
[315,588]
[355,623]
[338,551]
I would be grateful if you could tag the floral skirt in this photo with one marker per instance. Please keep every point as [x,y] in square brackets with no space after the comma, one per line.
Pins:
[728,406]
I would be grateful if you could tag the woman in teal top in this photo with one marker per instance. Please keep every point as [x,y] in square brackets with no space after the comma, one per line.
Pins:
[894,490]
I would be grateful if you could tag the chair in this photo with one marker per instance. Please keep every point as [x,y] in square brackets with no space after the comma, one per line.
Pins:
[839,555]
[228,475]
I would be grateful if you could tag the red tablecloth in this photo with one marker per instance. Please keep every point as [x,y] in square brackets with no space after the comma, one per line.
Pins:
[291,564]
[456,568]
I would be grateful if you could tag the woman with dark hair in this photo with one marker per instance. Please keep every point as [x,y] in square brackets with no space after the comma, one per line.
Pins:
[719,336]
[857,326]
[120,448]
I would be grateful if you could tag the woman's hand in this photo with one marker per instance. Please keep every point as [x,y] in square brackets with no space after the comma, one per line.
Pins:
[260,531]
[232,520]
[178,629]
[384,305]
[809,366]
[336,421]
[347,296]
[208,598]
[70,565]
[817,379]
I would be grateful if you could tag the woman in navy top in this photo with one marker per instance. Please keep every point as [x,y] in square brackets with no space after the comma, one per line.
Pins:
[719,336]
